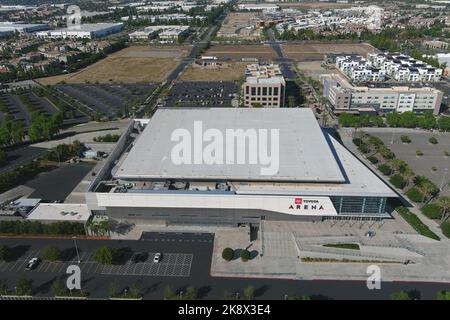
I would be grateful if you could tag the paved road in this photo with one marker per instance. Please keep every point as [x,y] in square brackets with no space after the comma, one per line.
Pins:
[186,262]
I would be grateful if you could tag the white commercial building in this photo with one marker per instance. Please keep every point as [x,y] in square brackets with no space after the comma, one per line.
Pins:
[10,27]
[258,7]
[87,30]
[345,97]
[166,33]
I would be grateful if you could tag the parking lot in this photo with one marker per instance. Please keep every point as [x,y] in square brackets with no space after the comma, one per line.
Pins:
[109,100]
[433,164]
[12,105]
[57,184]
[201,93]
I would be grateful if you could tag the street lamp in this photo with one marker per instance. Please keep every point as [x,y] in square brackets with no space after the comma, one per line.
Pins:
[76,248]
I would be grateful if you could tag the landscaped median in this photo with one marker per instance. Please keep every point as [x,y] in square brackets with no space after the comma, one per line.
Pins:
[416,223]
[350,246]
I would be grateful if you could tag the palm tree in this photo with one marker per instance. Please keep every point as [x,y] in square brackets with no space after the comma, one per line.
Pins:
[427,190]
[398,164]
[444,205]
[408,175]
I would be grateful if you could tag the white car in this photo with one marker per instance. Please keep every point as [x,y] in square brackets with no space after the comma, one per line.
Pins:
[32,264]
[157,258]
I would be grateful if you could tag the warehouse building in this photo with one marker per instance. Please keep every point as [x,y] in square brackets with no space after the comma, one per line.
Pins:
[85,31]
[316,177]
[9,27]
[345,97]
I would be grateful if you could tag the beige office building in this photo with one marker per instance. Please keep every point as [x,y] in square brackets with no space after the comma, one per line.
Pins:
[264,86]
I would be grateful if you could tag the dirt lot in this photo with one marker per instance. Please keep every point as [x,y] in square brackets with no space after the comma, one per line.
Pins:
[308,52]
[239,25]
[314,69]
[130,65]
[229,71]
[237,52]
[315,5]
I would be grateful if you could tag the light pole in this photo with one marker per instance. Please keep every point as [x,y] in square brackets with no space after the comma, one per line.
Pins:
[443,179]
[392,137]
[76,248]
[181,294]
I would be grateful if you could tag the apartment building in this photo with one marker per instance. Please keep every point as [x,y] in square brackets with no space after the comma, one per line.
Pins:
[264,85]
[382,66]
[359,70]
[344,97]
[403,68]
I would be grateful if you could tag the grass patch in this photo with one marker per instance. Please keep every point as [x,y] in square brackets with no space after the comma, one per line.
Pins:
[416,223]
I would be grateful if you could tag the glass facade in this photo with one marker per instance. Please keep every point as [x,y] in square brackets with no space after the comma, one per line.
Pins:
[359,205]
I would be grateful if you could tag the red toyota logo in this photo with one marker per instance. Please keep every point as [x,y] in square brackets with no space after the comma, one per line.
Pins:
[298,200]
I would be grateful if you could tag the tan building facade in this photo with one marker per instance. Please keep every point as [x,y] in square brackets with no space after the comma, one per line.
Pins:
[264,86]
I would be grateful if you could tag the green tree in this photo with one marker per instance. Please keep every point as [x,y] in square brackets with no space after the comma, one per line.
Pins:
[58,288]
[227,254]
[191,293]
[135,290]
[444,123]
[103,255]
[51,253]
[4,252]
[169,294]
[113,289]
[245,255]
[401,295]
[249,293]
[443,295]
[3,288]
[24,287]
[443,204]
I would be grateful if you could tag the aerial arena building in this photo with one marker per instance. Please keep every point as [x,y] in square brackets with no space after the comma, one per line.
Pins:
[311,176]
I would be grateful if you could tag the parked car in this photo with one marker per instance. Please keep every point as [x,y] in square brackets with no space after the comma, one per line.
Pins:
[32,264]
[157,258]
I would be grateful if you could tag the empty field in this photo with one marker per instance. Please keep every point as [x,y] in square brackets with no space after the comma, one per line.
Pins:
[130,65]
[237,52]
[308,52]
[228,71]
[240,25]
[314,69]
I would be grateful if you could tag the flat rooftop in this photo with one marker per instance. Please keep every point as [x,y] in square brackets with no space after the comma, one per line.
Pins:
[305,155]
[90,27]
[60,212]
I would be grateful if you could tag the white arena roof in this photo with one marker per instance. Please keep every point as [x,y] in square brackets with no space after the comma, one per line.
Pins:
[304,152]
